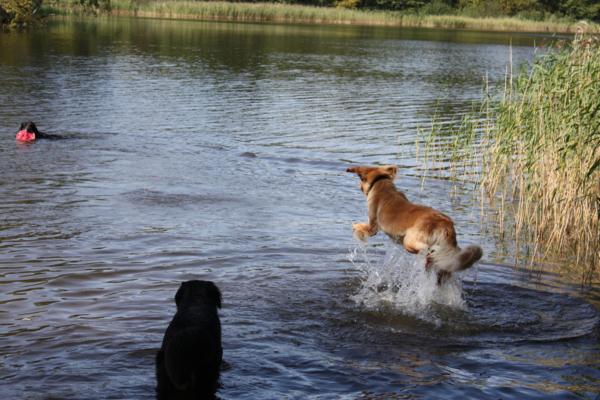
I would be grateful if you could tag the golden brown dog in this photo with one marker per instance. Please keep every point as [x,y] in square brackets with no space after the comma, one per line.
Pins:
[418,228]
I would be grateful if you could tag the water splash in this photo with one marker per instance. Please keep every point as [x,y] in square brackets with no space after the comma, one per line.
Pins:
[401,282]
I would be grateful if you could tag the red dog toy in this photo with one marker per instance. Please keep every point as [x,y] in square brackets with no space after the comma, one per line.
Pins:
[24,136]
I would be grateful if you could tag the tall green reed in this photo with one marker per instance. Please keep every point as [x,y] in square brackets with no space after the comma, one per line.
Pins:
[535,154]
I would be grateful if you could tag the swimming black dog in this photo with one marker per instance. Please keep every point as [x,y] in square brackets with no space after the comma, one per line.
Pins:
[29,126]
[189,361]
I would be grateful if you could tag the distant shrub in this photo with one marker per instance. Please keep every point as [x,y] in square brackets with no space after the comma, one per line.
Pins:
[490,8]
[350,4]
[4,16]
[437,7]
[481,8]
[396,5]
[92,6]
[19,13]
[532,15]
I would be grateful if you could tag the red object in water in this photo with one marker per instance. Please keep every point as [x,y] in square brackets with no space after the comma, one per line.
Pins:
[24,136]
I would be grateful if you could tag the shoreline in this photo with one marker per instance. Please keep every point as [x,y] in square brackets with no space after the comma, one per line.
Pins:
[294,14]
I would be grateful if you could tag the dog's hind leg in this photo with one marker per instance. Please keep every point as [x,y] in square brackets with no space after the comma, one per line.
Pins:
[413,243]
[442,277]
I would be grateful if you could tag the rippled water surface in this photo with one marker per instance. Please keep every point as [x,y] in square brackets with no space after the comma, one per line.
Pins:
[217,151]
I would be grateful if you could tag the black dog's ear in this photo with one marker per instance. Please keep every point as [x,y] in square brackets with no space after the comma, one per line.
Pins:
[32,128]
[214,293]
[23,124]
[179,294]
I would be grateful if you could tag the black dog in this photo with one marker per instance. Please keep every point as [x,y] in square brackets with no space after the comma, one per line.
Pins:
[29,126]
[189,361]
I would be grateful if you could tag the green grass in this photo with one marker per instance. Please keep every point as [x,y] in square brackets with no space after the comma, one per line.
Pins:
[535,155]
[273,12]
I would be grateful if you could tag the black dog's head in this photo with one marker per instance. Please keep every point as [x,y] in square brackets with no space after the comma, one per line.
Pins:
[29,126]
[198,291]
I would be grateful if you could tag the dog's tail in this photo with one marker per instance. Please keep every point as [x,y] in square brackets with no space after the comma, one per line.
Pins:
[455,259]
[467,257]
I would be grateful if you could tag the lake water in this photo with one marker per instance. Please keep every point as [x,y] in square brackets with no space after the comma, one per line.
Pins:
[218,151]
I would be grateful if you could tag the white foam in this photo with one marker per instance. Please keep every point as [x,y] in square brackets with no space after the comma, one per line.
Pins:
[400,281]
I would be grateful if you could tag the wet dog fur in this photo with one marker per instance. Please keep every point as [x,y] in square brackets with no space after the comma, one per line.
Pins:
[420,229]
[189,360]
[30,126]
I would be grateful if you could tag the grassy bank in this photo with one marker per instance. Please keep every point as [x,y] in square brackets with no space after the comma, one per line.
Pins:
[270,12]
[535,155]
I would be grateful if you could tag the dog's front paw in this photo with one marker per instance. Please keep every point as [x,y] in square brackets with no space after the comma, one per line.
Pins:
[361,231]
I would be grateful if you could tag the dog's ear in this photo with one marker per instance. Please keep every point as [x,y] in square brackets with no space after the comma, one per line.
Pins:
[31,127]
[179,294]
[392,170]
[360,171]
[214,293]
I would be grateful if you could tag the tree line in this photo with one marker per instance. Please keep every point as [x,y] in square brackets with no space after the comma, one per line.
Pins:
[23,13]
[527,9]
[19,13]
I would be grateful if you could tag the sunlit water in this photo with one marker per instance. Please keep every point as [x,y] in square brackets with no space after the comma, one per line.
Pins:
[217,151]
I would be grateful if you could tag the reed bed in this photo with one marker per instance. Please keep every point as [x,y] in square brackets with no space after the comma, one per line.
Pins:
[535,156]
[277,12]
[256,12]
